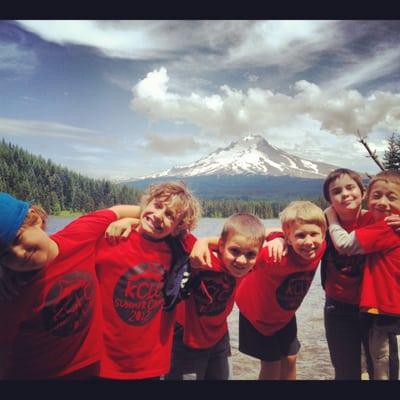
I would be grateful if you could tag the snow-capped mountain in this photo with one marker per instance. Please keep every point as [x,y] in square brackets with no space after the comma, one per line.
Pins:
[252,155]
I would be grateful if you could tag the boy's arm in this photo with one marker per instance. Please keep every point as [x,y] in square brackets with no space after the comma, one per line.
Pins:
[128,216]
[126,211]
[344,242]
[200,256]
[276,243]
[120,229]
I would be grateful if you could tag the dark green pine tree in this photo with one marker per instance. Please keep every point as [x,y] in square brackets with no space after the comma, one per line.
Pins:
[391,157]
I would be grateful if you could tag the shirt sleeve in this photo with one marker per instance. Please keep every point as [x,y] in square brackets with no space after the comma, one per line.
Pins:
[345,242]
[263,258]
[188,242]
[377,237]
[87,228]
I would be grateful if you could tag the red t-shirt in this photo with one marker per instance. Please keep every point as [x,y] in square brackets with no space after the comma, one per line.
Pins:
[272,292]
[381,283]
[137,331]
[344,273]
[204,314]
[55,326]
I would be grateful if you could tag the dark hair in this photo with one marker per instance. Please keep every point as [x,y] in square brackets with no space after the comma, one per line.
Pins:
[337,173]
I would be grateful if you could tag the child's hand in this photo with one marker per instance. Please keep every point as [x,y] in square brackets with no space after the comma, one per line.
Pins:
[200,256]
[120,230]
[331,215]
[277,248]
[394,222]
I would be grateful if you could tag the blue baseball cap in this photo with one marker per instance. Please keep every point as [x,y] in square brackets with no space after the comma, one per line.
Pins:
[12,215]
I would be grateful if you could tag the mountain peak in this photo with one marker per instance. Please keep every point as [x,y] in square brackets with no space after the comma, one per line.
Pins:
[252,137]
[251,155]
[255,138]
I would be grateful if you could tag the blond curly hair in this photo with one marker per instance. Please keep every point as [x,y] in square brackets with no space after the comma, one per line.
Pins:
[180,198]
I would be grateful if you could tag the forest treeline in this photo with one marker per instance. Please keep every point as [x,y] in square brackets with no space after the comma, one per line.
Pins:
[56,188]
[262,208]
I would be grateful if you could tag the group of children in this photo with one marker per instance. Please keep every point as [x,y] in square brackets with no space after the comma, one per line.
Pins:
[129,293]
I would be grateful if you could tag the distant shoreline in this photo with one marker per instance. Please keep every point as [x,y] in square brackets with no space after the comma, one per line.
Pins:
[67,213]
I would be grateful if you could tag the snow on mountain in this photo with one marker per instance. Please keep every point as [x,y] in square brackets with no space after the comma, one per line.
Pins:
[252,155]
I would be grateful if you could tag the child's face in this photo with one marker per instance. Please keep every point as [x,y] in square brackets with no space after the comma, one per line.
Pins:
[158,219]
[384,199]
[345,195]
[305,239]
[29,251]
[238,254]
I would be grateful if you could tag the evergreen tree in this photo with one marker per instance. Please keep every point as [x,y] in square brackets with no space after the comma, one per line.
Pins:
[391,157]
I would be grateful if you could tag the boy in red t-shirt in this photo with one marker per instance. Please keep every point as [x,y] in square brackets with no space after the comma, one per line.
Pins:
[53,328]
[380,289]
[201,341]
[137,329]
[269,296]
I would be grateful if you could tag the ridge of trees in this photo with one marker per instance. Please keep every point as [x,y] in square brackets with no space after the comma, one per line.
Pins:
[262,208]
[55,188]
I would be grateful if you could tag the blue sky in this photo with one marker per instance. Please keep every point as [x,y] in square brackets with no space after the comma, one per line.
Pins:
[121,99]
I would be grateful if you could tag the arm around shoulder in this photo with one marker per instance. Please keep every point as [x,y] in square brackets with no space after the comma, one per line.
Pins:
[126,211]
[200,256]
[344,242]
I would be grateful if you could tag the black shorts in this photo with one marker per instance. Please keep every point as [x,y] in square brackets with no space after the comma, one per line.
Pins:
[268,348]
[188,362]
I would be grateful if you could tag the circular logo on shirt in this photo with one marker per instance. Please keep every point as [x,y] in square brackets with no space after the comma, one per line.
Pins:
[213,292]
[68,306]
[138,293]
[292,290]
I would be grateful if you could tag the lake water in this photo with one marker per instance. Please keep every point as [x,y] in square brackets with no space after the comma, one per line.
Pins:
[313,359]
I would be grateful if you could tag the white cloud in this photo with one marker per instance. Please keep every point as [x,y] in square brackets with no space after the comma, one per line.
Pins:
[170,145]
[233,112]
[123,39]
[16,59]
[365,68]
[196,46]
[90,150]
[278,42]
[253,78]
[51,130]
[214,44]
